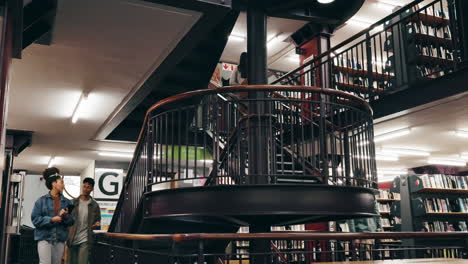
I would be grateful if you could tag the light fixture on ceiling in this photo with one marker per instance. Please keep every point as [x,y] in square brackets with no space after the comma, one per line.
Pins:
[116,154]
[392,134]
[294,58]
[462,133]
[379,157]
[325,1]
[464,156]
[362,23]
[387,5]
[80,107]
[448,162]
[236,38]
[273,40]
[405,152]
[52,161]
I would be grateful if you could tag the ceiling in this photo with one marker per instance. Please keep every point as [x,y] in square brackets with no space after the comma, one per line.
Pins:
[109,47]
[104,47]
[432,129]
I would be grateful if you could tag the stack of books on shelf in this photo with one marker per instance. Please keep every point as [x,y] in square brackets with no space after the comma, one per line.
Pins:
[446,205]
[384,208]
[288,228]
[385,222]
[441,181]
[386,194]
[444,226]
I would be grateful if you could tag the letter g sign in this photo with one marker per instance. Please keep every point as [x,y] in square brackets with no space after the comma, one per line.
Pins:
[113,187]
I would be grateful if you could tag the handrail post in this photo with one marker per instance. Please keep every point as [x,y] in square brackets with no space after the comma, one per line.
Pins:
[149,153]
[458,9]
[201,252]
[370,76]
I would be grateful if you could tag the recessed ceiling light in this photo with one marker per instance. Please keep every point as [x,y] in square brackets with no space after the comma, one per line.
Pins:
[273,40]
[116,154]
[448,162]
[80,107]
[51,162]
[464,156]
[392,134]
[236,37]
[325,1]
[407,152]
[462,133]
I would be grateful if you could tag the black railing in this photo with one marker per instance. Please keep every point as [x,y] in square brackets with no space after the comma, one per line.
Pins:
[206,137]
[283,247]
[409,46]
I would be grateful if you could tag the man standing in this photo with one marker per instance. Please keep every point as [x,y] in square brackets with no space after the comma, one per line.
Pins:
[88,217]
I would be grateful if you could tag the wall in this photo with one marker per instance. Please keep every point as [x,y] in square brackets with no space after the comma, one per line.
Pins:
[88,172]
[34,188]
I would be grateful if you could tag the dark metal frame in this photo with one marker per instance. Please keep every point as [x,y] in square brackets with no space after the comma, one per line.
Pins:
[319,136]
[283,247]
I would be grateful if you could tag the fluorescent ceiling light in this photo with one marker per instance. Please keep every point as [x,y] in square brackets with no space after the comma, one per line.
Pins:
[449,162]
[325,1]
[51,162]
[236,37]
[363,24]
[462,133]
[273,40]
[386,157]
[392,134]
[464,156]
[294,58]
[79,108]
[116,154]
[405,152]
[380,157]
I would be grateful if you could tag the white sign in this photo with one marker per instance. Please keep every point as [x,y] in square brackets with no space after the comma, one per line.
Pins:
[108,183]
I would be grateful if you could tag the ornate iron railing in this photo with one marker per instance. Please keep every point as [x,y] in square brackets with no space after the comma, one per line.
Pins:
[295,134]
[410,46]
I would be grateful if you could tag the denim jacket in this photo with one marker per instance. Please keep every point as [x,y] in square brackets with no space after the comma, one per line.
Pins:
[41,216]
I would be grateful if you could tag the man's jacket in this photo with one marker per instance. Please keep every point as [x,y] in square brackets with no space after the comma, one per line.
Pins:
[94,215]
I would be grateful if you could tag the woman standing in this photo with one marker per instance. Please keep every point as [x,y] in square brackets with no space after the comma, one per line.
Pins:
[51,218]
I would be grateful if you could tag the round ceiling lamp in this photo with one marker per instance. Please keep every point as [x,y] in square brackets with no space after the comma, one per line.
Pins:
[325,1]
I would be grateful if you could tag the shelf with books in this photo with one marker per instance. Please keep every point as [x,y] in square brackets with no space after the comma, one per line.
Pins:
[430,20]
[425,39]
[443,191]
[357,88]
[363,73]
[385,213]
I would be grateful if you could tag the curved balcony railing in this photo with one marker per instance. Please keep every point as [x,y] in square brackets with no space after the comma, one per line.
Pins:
[419,42]
[251,135]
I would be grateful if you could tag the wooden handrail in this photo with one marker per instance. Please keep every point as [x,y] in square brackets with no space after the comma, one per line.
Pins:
[257,88]
[287,236]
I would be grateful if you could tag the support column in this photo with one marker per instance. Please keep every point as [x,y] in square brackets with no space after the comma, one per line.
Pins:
[258,130]
[258,134]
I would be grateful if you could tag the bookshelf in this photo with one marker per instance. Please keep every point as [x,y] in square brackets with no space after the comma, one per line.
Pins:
[432,203]
[385,200]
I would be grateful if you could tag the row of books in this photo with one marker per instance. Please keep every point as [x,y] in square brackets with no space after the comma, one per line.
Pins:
[385,221]
[430,72]
[445,205]
[441,181]
[384,207]
[386,194]
[432,51]
[288,228]
[440,32]
[444,226]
